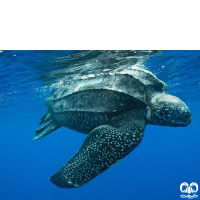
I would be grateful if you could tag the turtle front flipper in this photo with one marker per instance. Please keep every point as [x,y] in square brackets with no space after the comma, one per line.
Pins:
[50,125]
[104,147]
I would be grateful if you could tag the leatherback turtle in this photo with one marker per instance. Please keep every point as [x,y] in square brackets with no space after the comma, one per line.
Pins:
[113,109]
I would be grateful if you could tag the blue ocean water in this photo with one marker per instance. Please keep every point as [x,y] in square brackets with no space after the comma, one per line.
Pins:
[166,157]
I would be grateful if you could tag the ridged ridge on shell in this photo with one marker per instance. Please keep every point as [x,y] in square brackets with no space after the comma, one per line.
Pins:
[131,82]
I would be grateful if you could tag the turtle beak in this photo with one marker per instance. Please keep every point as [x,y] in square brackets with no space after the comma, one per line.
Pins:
[181,119]
[189,120]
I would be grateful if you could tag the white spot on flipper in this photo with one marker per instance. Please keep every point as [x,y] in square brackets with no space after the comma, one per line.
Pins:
[70,182]
[76,185]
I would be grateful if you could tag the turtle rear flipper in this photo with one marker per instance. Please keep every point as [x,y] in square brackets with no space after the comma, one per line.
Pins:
[45,117]
[49,126]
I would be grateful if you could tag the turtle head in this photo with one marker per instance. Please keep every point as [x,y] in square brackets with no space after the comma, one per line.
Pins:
[168,110]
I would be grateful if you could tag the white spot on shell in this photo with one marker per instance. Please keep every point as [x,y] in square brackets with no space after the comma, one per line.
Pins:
[106,70]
